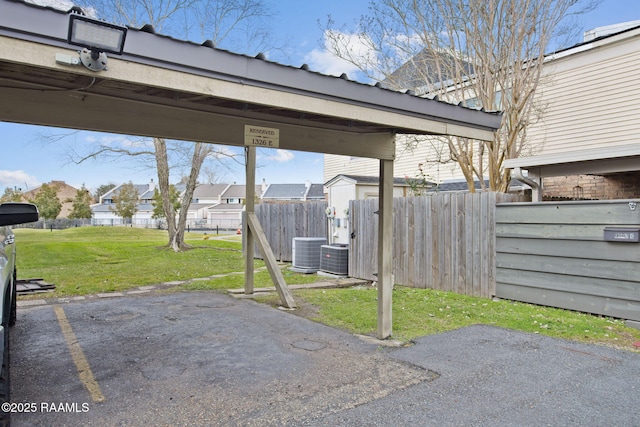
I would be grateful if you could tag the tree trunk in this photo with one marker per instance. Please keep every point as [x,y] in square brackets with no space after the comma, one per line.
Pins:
[177,241]
[200,153]
[164,187]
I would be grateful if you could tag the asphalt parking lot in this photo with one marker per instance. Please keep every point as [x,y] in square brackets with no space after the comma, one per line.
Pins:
[207,359]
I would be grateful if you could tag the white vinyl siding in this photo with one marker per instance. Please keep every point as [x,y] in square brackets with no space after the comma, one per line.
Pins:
[335,165]
[591,100]
[431,153]
[405,164]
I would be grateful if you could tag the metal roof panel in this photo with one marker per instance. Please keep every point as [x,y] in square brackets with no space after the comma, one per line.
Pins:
[46,25]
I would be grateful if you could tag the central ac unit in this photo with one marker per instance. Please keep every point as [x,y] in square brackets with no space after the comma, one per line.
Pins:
[306,254]
[334,259]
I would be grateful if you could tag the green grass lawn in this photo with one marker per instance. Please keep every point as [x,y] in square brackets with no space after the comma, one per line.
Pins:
[89,260]
[419,312]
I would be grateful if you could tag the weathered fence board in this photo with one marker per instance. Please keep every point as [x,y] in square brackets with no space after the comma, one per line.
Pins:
[592,232]
[556,254]
[577,248]
[281,222]
[567,265]
[443,241]
[581,213]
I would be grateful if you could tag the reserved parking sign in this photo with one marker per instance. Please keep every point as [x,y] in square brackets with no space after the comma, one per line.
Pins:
[258,136]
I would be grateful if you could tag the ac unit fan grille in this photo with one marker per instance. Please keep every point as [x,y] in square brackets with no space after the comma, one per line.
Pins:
[306,252]
[335,259]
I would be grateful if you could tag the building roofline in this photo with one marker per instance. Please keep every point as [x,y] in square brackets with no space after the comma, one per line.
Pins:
[592,43]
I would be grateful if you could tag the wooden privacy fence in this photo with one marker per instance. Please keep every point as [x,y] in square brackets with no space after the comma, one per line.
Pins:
[581,256]
[282,222]
[444,241]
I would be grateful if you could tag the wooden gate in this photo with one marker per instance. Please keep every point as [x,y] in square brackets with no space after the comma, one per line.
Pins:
[442,241]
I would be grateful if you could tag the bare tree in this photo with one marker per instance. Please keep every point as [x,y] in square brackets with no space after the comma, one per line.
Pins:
[483,53]
[239,23]
[187,155]
[176,226]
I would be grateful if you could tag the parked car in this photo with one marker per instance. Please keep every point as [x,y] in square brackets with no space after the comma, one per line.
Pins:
[10,214]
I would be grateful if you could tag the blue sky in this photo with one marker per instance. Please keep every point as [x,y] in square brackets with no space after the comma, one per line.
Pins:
[34,155]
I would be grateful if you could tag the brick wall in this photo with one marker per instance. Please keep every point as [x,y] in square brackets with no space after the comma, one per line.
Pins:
[593,187]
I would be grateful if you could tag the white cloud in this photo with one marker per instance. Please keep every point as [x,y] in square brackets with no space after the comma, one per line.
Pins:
[325,62]
[281,156]
[349,45]
[19,179]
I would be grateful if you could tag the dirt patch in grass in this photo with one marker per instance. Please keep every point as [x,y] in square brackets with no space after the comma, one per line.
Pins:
[306,310]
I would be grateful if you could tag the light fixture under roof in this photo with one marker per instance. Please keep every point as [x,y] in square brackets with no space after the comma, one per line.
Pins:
[93,34]
[97,38]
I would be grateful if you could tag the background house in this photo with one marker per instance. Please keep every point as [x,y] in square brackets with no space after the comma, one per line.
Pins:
[205,196]
[293,192]
[227,214]
[103,214]
[588,140]
[213,206]
[209,193]
[585,145]
[66,194]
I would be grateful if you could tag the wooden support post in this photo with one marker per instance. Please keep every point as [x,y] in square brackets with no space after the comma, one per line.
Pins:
[248,239]
[385,248]
[270,260]
[253,233]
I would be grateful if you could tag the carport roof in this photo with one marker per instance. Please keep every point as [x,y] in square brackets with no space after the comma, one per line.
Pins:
[199,78]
